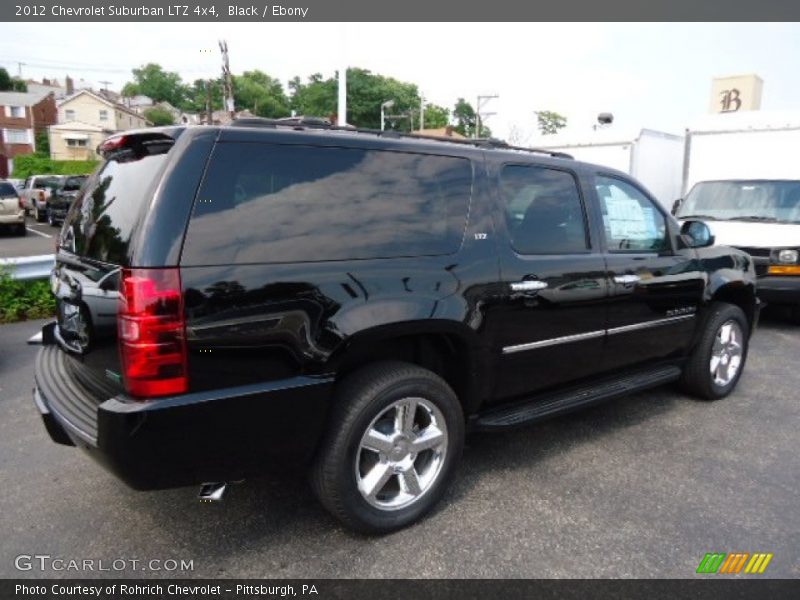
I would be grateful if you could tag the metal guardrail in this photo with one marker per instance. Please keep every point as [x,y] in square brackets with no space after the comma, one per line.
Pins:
[29,267]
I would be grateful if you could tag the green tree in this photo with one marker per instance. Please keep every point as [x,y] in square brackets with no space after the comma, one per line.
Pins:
[316,98]
[436,116]
[195,98]
[153,81]
[366,91]
[159,116]
[11,84]
[550,122]
[260,94]
[42,143]
[464,120]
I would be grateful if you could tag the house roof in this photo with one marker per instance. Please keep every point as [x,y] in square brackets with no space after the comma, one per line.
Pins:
[438,132]
[22,98]
[106,101]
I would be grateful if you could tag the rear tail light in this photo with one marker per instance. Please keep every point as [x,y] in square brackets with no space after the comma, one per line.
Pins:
[20,203]
[41,195]
[151,332]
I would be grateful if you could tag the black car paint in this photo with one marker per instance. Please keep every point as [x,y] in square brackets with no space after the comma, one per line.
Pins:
[266,341]
[60,199]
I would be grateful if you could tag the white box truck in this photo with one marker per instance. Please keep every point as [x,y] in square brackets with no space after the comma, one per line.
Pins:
[655,158]
[742,177]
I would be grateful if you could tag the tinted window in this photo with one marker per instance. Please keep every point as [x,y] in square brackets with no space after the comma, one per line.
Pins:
[544,214]
[631,220]
[45,182]
[73,184]
[105,212]
[7,190]
[269,203]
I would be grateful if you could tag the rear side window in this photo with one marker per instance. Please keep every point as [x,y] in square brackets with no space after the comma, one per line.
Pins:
[7,190]
[544,213]
[105,212]
[271,203]
[45,182]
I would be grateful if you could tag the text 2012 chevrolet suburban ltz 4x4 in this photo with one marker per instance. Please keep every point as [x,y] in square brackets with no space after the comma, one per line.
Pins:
[243,298]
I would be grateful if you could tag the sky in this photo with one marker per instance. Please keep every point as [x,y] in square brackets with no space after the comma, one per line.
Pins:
[648,75]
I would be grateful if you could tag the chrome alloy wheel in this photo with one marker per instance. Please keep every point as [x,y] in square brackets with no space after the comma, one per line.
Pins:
[726,353]
[401,454]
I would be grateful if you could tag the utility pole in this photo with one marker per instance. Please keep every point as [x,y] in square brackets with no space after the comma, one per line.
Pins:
[19,69]
[421,112]
[481,116]
[105,84]
[226,78]
[341,110]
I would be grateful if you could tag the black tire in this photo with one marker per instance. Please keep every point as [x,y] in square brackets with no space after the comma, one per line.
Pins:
[361,398]
[22,230]
[37,214]
[697,378]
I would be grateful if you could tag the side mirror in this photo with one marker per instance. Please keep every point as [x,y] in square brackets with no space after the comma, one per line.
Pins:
[697,234]
[676,205]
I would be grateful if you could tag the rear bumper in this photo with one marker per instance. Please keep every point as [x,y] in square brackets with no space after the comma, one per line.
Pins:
[57,213]
[773,289]
[184,440]
[15,219]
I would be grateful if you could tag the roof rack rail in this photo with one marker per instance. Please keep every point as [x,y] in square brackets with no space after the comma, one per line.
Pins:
[304,123]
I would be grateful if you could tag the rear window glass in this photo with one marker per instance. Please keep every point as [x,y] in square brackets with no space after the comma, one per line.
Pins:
[73,183]
[271,203]
[6,190]
[105,212]
[45,182]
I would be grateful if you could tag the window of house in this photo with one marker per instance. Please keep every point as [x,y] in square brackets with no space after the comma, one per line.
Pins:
[69,115]
[76,143]
[16,136]
[17,112]
[104,115]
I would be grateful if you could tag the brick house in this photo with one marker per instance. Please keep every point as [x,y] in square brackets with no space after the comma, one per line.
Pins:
[22,116]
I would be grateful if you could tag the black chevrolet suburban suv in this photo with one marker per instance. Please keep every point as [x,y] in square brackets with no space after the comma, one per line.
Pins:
[256,296]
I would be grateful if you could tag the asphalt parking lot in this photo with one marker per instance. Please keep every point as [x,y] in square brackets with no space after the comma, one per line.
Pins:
[640,487]
[39,240]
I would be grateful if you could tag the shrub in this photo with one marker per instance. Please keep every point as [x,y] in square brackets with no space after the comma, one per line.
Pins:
[21,300]
[33,164]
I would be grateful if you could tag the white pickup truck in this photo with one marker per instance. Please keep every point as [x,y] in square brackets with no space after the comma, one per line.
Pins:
[35,192]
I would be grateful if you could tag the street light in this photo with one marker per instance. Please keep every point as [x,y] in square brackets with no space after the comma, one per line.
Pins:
[384,106]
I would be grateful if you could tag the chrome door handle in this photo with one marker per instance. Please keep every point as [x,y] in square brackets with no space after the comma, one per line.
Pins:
[627,279]
[532,285]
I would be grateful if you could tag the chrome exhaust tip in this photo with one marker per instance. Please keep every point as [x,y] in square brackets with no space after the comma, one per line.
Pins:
[212,492]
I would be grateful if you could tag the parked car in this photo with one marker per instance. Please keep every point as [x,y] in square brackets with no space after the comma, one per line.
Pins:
[36,191]
[18,184]
[233,300]
[61,198]
[12,212]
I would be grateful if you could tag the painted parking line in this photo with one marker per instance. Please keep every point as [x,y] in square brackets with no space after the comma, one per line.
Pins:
[38,232]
